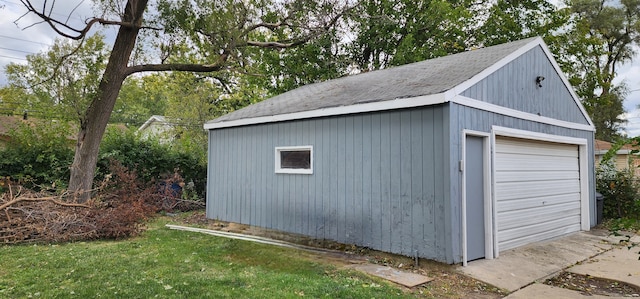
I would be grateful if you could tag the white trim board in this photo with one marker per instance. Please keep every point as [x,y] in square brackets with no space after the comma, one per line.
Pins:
[516,133]
[278,162]
[402,103]
[488,219]
[481,105]
[420,101]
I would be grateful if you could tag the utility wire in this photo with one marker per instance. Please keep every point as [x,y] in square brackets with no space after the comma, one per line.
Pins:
[10,57]
[15,50]
[22,39]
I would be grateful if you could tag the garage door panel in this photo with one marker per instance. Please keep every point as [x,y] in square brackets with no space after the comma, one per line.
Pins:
[527,203]
[527,217]
[518,176]
[523,232]
[520,190]
[538,148]
[513,162]
[537,189]
[543,235]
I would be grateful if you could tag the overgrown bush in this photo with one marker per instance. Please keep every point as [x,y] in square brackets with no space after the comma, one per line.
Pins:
[38,155]
[620,191]
[153,161]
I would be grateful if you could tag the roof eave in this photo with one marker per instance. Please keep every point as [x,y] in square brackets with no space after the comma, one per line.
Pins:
[399,103]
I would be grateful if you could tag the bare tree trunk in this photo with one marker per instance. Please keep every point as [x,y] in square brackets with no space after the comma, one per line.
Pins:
[93,126]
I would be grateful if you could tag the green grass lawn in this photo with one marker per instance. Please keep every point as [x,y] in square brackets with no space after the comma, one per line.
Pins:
[165,263]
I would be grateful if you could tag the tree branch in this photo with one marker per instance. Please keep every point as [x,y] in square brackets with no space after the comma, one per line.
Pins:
[79,33]
[54,199]
[185,67]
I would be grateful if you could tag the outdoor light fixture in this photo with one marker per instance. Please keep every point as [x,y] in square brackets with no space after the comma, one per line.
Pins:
[539,80]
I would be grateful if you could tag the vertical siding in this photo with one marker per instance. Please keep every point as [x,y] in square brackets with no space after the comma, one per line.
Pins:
[473,119]
[377,182]
[514,86]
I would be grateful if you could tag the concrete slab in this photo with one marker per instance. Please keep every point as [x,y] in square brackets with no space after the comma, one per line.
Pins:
[519,267]
[543,291]
[619,264]
[404,278]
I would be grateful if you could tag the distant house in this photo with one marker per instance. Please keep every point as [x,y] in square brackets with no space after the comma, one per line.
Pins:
[7,123]
[453,159]
[623,159]
[156,126]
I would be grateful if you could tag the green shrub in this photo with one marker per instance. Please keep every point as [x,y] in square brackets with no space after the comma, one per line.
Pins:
[38,155]
[620,191]
[152,160]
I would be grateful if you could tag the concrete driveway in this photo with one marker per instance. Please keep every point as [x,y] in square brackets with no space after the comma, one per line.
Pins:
[522,270]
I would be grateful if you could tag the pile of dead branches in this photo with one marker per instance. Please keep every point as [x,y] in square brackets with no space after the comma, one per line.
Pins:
[27,216]
[118,209]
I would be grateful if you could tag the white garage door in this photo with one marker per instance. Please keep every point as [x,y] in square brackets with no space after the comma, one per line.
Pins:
[537,191]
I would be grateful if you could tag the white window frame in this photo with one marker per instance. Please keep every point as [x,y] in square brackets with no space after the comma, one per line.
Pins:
[279,169]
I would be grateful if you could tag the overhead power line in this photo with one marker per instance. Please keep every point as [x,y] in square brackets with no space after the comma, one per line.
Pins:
[23,40]
[10,57]
[15,50]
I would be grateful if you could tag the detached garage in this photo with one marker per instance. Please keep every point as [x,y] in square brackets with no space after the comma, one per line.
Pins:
[452,159]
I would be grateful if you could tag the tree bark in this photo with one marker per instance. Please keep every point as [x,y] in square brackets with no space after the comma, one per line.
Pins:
[93,125]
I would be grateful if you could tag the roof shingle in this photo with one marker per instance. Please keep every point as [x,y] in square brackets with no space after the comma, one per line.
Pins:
[427,77]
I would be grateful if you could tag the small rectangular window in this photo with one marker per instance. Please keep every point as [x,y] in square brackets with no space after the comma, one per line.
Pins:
[294,159]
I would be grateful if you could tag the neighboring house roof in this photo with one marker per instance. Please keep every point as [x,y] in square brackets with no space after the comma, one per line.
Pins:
[423,83]
[154,118]
[7,123]
[157,126]
[601,148]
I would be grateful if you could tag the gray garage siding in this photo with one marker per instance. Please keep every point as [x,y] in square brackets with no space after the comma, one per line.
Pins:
[513,86]
[474,119]
[379,180]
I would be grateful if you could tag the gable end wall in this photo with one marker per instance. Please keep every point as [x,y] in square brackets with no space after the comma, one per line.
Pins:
[514,86]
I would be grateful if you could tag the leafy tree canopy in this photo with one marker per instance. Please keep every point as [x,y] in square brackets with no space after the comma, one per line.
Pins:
[599,39]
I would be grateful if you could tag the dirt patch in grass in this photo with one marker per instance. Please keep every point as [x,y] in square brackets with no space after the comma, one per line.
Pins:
[447,283]
[589,285]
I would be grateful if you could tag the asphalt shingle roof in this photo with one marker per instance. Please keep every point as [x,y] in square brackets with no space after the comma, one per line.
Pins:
[427,77]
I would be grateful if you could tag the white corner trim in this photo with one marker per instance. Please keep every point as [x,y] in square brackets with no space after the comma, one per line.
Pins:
[419,101]
[488,202]
[277,164]
[585,220]
[473,103]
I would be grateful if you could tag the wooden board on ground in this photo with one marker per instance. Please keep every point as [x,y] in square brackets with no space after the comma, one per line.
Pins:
[400,277]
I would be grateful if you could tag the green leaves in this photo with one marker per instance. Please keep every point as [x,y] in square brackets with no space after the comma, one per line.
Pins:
[600,38]
[512,20]
[58,83]
[395,32]
[38,154]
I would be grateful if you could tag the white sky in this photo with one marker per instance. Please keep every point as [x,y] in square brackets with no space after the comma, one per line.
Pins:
[16,42]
